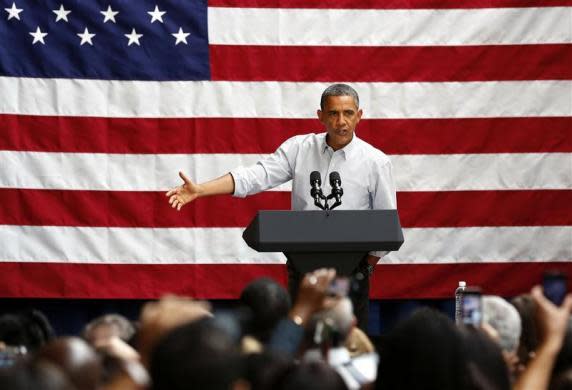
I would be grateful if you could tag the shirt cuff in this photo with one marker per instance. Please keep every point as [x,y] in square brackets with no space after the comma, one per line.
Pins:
[379,254]
[240,188]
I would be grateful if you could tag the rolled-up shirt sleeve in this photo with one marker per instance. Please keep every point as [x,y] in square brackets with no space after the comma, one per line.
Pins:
[384,192]
[269,172]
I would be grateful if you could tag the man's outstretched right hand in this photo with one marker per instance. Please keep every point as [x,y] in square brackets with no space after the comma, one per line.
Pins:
[183,194]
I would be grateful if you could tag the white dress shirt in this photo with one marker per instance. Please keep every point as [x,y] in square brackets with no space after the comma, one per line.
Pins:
[355,372]
[365,172]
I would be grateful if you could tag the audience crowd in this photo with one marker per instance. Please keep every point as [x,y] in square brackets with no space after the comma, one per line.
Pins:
[268,342]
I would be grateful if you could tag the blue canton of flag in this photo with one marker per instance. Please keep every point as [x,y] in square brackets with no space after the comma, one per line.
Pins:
[114,40]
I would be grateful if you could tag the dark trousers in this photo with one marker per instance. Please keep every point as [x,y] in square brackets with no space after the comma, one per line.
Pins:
[358,294]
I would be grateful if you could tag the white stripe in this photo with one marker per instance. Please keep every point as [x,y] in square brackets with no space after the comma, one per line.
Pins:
[128,245]
[145,172]
[195,245]
[104,98]
[484,244]
[337,27]
[502,171]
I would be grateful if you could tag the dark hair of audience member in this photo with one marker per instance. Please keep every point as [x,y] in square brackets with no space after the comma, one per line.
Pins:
[314,375]
[36,375]
[563,362]
[424,351]
[486,367]
[562,381]
[29,328]
[528,337]
[262,369]
[199,354]
[76,358]
[268,302]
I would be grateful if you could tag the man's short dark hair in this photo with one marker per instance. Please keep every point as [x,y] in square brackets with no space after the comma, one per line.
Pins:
[306,376]
[486,368]
[424,351]
[198,355]
[29,328]
[339,90]
[268,302]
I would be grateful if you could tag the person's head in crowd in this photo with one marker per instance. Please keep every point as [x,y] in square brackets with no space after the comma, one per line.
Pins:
[261,369]
[504,318]
[119,373]
[159,317]
[30,329]
[76,358]
[268,303]
[315,375]
[505,321]
[562,381]
[110,336]
[528,342]
[34,375]
[108,326]
[199,354]
[563,361]
[486,367]
[424,351]
[331,325]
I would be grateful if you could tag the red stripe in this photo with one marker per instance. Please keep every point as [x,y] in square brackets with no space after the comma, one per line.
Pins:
[231,135]
[485,208]
[144,281]
[440,280]
[151,209]
[392,64]
[389,4]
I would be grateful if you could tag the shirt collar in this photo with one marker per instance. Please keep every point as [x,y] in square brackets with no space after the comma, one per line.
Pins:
[347,150]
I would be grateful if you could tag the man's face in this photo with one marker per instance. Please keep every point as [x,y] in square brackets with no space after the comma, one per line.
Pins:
[340,117]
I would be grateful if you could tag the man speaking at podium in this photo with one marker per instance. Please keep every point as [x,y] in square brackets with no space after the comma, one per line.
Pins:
[365,171]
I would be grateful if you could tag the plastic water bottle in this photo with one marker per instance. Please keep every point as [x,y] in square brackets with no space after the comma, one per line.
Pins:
[459,293]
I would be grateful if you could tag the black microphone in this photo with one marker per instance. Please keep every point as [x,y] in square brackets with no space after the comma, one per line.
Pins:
[337,190]
[316,191]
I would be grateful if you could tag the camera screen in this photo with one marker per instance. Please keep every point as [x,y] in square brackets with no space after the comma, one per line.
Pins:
[555,289]
[472,309]
[7,359]
[339,287]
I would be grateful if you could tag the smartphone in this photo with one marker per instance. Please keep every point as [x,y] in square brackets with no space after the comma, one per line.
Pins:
[472,307]
[555,286]
[10,355]
[339,287]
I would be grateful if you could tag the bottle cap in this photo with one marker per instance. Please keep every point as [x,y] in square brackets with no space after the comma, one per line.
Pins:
[462,284]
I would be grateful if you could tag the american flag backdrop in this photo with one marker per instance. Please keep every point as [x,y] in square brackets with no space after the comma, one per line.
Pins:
[103,102]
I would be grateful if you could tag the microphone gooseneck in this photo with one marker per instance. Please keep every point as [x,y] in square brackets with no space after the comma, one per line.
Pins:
[337,190]
[316,190]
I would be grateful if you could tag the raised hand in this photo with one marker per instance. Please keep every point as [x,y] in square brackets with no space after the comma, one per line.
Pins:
[183,194]
[313,294]
[551,320]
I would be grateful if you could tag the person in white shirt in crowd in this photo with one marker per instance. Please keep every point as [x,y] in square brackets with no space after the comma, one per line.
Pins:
[327,333]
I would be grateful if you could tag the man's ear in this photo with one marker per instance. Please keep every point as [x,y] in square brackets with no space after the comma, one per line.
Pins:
[320,115]
[359,114]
